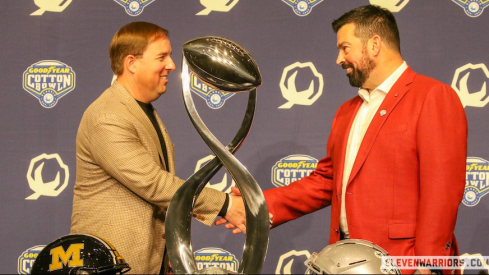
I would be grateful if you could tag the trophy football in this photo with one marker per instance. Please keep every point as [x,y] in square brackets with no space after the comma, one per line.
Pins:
[226,66]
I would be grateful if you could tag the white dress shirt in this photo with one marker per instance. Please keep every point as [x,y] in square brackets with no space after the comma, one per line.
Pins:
[366,112]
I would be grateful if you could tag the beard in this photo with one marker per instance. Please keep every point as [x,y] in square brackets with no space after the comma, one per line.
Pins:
[358,76]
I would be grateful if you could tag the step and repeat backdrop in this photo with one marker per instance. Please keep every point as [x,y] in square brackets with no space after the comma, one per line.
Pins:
[54,63]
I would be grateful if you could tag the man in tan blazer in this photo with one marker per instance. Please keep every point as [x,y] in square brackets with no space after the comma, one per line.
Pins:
[125,159]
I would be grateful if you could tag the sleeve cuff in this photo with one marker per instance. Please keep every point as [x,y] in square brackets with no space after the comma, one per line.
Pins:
[225,207]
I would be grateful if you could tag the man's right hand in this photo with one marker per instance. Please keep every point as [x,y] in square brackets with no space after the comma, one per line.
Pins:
[236,216]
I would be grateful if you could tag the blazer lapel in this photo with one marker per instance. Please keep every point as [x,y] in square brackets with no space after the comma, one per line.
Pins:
[396,93]
[136,110]
[345,121]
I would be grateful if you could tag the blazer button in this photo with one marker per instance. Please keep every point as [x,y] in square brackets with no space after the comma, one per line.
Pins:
[447,246]
[163,236]
[336,230]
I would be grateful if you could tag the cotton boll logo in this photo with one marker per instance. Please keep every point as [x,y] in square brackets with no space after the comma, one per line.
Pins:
[482,261]
[292,262]
[288,85]
[460,84]
[392,5]
[217,5]
[222,186]
[50,5]
[36,175]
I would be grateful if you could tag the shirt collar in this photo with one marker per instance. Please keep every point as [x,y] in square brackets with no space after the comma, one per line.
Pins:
[385,86]
[147,107]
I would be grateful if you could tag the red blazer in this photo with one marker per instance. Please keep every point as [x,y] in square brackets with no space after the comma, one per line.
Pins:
[407,180]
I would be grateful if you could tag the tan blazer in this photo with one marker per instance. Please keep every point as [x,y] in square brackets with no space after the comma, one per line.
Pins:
[122,190]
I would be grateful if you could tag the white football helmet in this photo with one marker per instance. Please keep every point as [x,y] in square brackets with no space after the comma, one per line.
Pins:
[351,257]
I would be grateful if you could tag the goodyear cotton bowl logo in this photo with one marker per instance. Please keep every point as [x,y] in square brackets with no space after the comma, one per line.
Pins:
[26,260]
[214,98]
[292,168]
[49,81]
[288,85]
[216,257]
[36,178]
[466,92]
[134,7]
[302,7]
[472,8]
[476,180]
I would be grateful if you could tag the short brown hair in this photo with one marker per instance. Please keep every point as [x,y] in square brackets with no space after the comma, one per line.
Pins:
[371,20]
[132,39]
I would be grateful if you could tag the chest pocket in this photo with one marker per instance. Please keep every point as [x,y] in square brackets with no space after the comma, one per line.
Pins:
[393,129]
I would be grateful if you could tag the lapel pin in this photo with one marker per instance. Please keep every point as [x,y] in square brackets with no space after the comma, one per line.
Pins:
[383,112]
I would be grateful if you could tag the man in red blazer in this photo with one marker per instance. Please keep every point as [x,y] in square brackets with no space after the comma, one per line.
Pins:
[394,173]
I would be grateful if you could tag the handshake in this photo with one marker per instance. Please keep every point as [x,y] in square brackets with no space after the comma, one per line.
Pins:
[235,218]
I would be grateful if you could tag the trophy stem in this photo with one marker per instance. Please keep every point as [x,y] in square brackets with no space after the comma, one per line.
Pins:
[178,220]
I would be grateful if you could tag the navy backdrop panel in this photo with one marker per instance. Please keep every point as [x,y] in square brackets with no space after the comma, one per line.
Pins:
[54,63]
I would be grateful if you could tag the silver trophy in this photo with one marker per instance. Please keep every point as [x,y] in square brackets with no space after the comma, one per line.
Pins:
[226,66]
